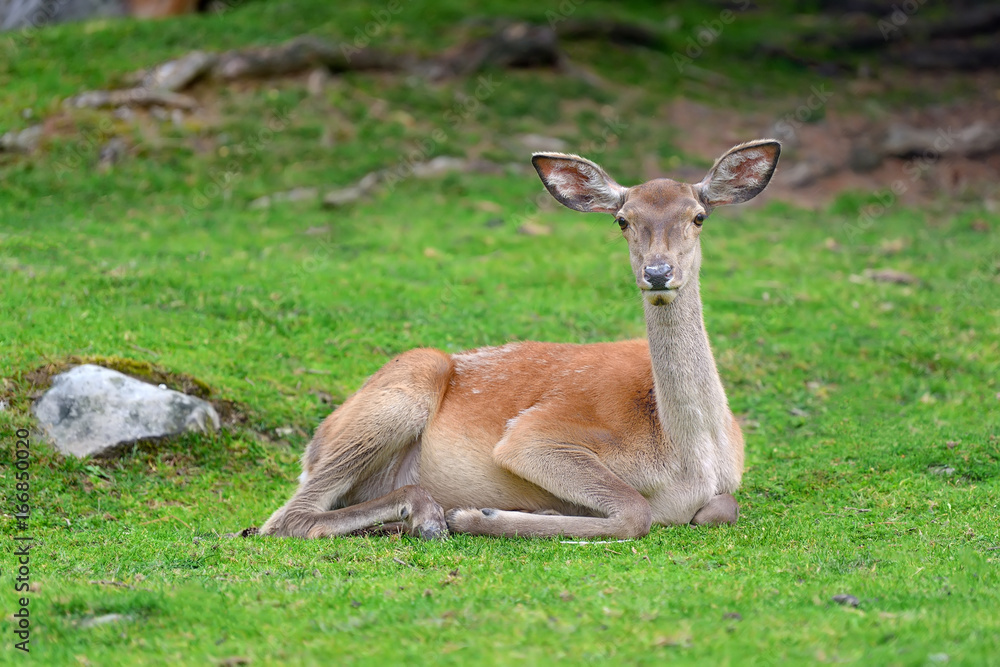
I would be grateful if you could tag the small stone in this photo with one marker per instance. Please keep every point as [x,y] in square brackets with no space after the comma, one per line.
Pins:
[863,158]
[538,142]
[439,166]
[944,471]
[104,620]
[23,141]
[733,616]
[233,661]
[891,276]
[111,153]
[534,229]
[293,195]
[846,600]
[317,81]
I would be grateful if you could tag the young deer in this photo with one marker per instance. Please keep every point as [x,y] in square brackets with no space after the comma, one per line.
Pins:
[578,440]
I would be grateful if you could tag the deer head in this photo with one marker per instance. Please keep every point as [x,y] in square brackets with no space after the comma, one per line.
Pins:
[661,219]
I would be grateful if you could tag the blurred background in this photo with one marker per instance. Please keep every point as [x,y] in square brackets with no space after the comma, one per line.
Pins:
[866,95]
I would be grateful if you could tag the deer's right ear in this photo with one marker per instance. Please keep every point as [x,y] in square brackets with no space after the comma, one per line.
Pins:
[578,183]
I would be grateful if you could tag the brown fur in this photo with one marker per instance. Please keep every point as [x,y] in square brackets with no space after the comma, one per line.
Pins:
[551,439]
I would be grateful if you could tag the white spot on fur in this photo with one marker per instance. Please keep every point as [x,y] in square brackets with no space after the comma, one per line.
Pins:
[482,357]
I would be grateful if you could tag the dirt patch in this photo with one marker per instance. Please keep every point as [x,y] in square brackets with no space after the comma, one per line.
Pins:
[849,149]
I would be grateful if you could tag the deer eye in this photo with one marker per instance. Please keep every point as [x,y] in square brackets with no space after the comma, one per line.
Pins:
[698,219]
[623,223]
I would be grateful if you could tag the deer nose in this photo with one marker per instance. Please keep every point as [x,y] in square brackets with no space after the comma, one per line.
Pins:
[658,275]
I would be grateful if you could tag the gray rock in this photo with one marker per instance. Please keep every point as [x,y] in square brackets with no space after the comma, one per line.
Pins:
[23,141]
[846,599]
[94,411]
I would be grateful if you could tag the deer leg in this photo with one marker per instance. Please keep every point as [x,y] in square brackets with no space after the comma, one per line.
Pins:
[357,468]
[411,505]
[571,472]
[722,508]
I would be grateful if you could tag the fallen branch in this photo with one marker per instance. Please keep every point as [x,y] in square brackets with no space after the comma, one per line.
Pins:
[518,45]
[140,97]
[515,45]
[348,195]
[906,141]
[299,55]
[628,34]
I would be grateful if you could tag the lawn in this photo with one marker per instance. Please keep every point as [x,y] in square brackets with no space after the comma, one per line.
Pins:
[871,410]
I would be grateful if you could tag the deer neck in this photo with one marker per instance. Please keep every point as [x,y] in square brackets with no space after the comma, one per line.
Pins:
[690,399]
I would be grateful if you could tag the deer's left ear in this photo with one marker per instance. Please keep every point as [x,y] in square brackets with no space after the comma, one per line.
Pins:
[740,174]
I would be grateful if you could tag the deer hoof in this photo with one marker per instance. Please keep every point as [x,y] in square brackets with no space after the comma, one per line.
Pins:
[429,524]
[432,531]
[722,508]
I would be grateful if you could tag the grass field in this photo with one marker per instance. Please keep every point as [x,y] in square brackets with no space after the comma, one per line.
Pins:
[871,410]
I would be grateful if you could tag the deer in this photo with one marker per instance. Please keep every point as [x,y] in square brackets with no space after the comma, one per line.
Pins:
[532,439]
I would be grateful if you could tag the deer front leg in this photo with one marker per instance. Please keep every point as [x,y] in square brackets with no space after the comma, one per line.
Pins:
[571,472]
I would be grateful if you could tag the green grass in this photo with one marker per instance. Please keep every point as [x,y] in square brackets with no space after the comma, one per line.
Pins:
[853,393]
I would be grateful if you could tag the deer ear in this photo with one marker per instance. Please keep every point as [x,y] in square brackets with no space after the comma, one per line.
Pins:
[740,174]
[579,183]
